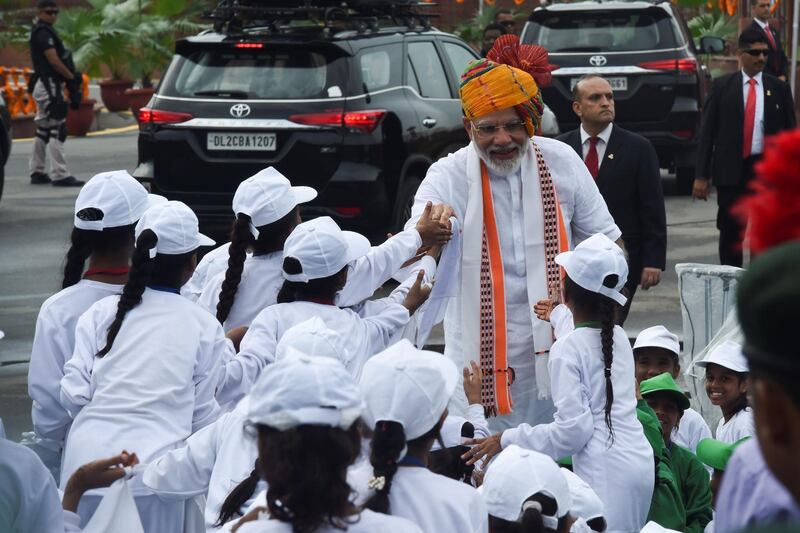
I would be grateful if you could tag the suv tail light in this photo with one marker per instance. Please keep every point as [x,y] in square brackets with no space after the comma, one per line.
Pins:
[683,66]
[249,45]
[156,116]
[365,121]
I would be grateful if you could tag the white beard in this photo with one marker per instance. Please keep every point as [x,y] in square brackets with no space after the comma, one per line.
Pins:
[503,167]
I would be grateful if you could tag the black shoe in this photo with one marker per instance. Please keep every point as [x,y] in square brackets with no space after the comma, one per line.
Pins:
[69,181]
[40,178]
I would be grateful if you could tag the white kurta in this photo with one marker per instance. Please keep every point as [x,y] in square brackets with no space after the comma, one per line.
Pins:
[622,473]
[262,279]
[691,430]
[585,213]
[368,335]
[740,425]
[151,391]
[53,344]
[367,522]
[213,461]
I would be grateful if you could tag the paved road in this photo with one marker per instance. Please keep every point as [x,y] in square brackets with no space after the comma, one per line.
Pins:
[35,222]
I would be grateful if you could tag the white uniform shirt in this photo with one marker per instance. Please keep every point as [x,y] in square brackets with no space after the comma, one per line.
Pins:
[740,425]
[262,279]
[152,390]
[210,265]
[585,213]
[620,473]
[757,145]
[214,460]
[367,522]
[691,430]
[602,143]
[53,344]
[368,335]
[436,503]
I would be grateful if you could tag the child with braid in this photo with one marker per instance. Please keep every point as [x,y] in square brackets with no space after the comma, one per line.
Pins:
[146,363]
[592,373]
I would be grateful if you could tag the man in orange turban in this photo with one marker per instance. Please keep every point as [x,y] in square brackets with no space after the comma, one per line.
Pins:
[519,200]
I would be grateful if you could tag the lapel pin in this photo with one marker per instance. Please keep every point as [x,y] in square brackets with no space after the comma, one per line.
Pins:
[611,156]
[769,93]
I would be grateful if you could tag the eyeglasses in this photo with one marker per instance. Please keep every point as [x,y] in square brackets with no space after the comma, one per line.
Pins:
[508,23]
[51,12]
[755,53]
[486,131]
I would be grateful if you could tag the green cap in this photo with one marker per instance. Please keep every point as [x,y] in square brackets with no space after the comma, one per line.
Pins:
[664,383]
[767,299]
[565,461]
[715,453]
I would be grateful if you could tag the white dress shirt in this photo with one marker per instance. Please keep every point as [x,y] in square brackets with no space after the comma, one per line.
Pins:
[602,143]
[758,124]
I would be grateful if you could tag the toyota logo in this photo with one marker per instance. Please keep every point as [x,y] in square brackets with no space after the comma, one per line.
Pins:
[240,110]
[597,61]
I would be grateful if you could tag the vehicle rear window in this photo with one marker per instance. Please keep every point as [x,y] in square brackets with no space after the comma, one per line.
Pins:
[602,31]
[261,74]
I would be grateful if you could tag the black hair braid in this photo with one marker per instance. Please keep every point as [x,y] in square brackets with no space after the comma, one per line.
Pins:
[241,238]
[388,440]
[320,288]
[532,519]
[82,244]
[141,271]
[238,497]
[607,322]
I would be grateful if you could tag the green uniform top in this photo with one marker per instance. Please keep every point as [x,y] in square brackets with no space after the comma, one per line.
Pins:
[693,481]
[666,508]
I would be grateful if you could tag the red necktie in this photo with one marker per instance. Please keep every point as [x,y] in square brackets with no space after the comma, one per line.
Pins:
[591,157]
[749,118]
[770,38]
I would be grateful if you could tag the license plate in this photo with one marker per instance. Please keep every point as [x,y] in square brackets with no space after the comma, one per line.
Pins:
[241,141]
[617,84]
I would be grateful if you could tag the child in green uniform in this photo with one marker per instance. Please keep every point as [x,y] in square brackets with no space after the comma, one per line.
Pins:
[668,402]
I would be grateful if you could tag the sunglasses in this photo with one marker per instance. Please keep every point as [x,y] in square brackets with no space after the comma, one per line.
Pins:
[51,12]
[756,53]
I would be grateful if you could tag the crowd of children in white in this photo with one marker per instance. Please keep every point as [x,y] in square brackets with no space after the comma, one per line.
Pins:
[265,390]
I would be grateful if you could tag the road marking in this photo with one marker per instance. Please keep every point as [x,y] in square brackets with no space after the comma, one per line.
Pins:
[108,131]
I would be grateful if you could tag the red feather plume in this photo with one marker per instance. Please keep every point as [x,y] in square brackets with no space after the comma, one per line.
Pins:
[773,206]
[530,58]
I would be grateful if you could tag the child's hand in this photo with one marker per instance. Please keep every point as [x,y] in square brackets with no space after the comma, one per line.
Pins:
[431,229]
[472,382]
[543,308]
[417,294]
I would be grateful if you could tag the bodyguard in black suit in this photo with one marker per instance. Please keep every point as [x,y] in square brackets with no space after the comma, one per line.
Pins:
[777,64]
[625,167]
[741,111]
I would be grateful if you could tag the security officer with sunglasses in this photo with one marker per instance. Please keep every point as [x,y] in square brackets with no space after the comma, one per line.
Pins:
[742,110]
[53,68]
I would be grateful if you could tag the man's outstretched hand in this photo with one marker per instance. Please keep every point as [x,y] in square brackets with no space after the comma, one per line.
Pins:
[431,229]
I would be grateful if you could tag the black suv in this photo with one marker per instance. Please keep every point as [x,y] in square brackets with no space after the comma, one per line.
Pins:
[357,107]
[646,52]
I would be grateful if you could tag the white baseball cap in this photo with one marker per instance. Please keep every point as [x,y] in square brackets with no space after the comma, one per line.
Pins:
[110,200]
[322,249]
[313,337]
[176,227]
[658,337]
[301,389]
[594,259]
[451,432]
[267,197]
[728,354]
[409,386]
[515,475]
[586,503]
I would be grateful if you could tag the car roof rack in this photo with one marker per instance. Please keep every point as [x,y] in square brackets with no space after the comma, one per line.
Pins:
[326,16]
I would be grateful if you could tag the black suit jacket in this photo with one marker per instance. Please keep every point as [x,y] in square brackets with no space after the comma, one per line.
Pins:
[777,63]
[719,153]
[630,182]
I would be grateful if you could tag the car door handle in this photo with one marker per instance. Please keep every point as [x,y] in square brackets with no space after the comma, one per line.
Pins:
[428,122]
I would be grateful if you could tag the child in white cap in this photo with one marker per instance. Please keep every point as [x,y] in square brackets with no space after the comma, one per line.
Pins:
[146,364]
[656,351]
[106,211]
[586,505]
[525,492]
[305,412]
[593,385]
[406,393]
[726,385]
[315,267]
[219,459]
